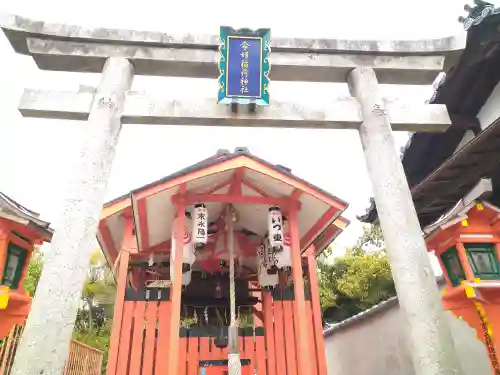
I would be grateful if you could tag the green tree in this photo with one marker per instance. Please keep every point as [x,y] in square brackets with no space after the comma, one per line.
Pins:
[34,272]
[98,295]
[94,317]
[356,281]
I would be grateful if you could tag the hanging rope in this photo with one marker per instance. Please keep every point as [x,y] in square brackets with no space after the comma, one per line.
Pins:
[234,363]
[232,288]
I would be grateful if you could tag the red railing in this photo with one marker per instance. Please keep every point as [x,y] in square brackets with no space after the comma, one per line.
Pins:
[82,359]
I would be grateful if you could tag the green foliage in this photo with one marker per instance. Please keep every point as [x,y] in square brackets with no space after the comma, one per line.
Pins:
[94,317]
[34,272]
[96,338]
[356,281]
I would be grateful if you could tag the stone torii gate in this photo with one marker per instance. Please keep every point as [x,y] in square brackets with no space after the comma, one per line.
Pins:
[119,54]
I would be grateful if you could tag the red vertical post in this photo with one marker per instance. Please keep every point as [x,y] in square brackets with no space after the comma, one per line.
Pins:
[316,311]
[124,352]
[136,351]
[267,307]
[291,347]
[257,320]
[249,351]
[462,255]
[279,336]
[312,347]
[300,316]
[204,348]
[183,348]
[176,288]
[4,242]
[6,345]
[150,337]
[260,350]
[129,244]
[193,353]
[162,342]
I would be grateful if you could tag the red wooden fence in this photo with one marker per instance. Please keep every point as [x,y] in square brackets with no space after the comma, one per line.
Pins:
[143,344]
[82,359]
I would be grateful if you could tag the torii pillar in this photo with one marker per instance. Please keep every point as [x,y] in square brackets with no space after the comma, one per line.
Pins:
[433,350]
[44,345]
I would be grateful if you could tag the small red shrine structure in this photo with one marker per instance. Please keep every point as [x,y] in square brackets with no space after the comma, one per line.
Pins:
[20,230]
[172,306]
[467,245]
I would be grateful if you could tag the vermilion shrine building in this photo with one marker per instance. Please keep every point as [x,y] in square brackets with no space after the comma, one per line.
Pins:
[278,303]
[20,230]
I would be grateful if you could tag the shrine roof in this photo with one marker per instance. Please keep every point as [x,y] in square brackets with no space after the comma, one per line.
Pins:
[12,211]
[476,203]
[260,182]
[221,156]
[437,175]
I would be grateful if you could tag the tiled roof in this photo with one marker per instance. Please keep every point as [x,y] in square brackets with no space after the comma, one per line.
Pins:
[11,207]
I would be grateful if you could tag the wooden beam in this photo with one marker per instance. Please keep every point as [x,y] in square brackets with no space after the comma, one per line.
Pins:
[113,208]
[296,194]
[235,188]
[217,187]
[255,188]
[299,305]
[316,312]
[142,216]
[192,198]
[104,234]
[324,221]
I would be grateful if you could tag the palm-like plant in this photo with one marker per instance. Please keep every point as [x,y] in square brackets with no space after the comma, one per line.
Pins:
[98,296]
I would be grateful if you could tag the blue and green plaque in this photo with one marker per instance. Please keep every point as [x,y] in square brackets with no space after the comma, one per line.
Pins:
[244,66]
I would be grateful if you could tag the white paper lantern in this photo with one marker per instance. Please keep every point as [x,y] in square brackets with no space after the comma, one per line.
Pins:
[284,258]
[200,226]
[275,228]
[270,256]
[266,280]
[266,255]
[186,277]
[260,256]
[188,255]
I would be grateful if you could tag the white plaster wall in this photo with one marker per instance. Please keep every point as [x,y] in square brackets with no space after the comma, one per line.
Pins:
[377,346]
[490,111]
[436,267]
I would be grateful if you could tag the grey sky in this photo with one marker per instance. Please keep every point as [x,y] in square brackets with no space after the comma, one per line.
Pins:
[36,156]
